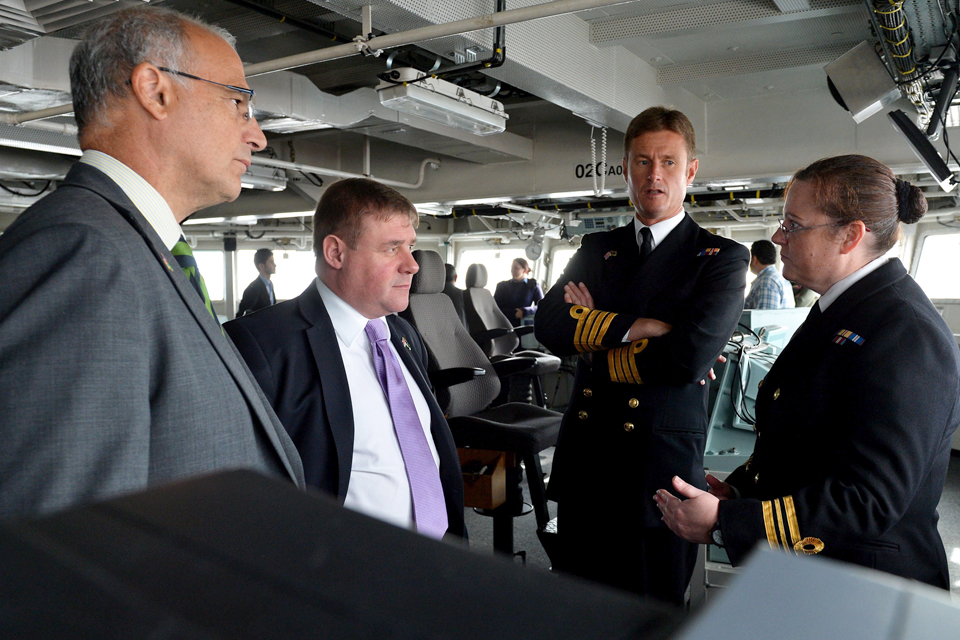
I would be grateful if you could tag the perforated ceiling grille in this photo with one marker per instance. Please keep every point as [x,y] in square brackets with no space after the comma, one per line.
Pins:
[752,64]
[23,138]
[696,18]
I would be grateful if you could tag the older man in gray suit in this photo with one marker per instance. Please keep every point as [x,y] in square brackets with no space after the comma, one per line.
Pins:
[114,374]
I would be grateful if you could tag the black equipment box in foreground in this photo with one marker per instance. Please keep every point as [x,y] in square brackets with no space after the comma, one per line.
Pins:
[239,555]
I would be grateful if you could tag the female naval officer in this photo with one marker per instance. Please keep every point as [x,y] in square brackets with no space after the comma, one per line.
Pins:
[855,419]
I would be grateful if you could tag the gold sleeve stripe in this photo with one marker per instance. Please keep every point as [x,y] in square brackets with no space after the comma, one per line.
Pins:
[592,326]
[612,361]
[768,524]
[792,520]
[635,348]
[780,530]
[777,528]
[621,363]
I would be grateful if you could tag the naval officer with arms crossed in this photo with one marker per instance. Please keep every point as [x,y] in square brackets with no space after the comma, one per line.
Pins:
[652,304]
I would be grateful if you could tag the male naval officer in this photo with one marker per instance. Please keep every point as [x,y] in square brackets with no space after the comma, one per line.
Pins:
[259,293]
[115,374]
[653,304]
[769,290]
[348,378]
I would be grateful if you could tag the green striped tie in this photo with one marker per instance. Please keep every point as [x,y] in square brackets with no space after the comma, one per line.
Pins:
[181,251]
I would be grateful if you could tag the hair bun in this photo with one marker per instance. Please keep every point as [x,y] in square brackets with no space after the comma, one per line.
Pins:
[911,203]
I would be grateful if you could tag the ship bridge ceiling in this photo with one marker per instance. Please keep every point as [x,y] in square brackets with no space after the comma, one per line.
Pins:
[749,73]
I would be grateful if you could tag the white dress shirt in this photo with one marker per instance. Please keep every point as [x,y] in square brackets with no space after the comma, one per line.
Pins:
[660,230]
[378,477]
[147,199]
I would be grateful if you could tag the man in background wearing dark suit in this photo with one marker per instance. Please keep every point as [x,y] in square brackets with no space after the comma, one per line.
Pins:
[114,371]
[317,361]
[259,293]
[452,291]
[650,306]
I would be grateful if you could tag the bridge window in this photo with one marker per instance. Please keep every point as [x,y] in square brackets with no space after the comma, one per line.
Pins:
[210,264]
[497,264]
[938,266]
[295,270]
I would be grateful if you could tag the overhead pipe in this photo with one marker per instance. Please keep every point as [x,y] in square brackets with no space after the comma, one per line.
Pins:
[388,41]
[306,168]
[431,32]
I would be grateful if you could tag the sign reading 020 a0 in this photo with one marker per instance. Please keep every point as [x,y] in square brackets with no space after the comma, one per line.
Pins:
[589,170]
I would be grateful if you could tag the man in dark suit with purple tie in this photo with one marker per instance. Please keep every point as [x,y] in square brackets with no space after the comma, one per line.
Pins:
[317,363]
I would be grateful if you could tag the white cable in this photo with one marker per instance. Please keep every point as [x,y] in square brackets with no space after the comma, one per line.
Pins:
[593,162]
[603,161]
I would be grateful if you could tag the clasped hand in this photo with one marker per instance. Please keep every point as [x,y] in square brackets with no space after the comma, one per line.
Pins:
[693,519]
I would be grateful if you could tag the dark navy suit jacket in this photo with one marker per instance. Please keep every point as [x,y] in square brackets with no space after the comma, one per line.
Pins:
[854,427]
[292,350]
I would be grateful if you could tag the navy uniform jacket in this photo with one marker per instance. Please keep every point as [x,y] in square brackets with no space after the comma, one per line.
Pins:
[292,350]
[255,297]
[638,414]
[855,422]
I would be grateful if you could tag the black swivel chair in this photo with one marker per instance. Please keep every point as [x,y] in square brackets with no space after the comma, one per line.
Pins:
[519,428]
[498,338]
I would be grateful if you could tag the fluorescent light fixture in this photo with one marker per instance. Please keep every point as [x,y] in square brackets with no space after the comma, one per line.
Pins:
[203,221]
[264,178]
[291,125]
[924,149]
[494,200]
[573,194]
[410,91]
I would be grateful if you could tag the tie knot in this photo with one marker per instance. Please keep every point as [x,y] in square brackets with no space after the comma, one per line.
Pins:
[376,330]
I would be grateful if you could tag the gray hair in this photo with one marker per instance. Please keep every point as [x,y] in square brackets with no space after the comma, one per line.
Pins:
[101,65]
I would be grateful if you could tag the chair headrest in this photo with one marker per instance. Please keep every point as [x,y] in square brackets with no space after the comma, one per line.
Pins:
[476,276]
[432,274]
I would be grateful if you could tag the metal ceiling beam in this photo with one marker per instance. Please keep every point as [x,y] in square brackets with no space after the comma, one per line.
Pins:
[739,12]
[679,74]
[393,40]
[389,41]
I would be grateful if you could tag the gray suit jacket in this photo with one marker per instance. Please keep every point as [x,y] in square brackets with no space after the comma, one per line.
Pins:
[114,376]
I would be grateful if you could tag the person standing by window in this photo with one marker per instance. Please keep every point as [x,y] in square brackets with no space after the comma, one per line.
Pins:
[518,297]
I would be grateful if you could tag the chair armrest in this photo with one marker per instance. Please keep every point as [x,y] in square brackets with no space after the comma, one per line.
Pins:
[444,378]
[523,330]
[491,334]
[509,366]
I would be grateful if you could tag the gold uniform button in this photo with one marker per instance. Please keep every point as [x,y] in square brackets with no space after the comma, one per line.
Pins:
[776,394]
[583,415]
[628,427]
[587,393]
[760,384]
[756,479]
[634,403]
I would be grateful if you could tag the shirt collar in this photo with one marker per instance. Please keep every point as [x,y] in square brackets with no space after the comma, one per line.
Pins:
[840,287]
[143,196]
[266,281]
[660,230]
[348,323]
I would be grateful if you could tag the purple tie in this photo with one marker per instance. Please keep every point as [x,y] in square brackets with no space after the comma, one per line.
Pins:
[429,508]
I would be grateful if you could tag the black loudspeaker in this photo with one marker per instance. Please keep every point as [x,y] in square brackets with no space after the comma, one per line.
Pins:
[229,244]
[239,555]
